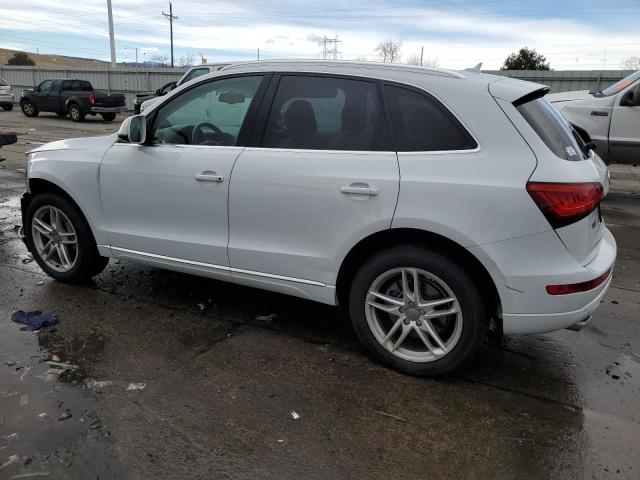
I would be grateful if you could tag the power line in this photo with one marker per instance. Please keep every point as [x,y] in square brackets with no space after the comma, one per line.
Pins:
[171,18]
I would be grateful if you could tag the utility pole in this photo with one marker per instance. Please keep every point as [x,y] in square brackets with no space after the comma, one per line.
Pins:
[258,53]
[112,40]
[421,55]
[171,18]
[136,56]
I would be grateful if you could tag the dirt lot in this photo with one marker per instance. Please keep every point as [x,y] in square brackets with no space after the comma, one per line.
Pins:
[224,368]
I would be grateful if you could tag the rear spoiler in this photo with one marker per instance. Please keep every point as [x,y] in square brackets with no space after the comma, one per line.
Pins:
[517,91]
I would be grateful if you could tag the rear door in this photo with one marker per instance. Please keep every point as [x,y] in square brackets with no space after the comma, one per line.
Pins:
[320,177]
[624,135]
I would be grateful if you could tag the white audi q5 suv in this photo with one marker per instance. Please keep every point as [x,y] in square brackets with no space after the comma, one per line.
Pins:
[433,204]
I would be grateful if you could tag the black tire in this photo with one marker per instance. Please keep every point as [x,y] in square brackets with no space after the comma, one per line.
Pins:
[89,262]
[8,107]
[474,314]
[61,114]
[76,113]
[108,117]
[29,109]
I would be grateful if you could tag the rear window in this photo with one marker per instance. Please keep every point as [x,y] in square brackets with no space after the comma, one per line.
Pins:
[422,124]
[552,128]
[77,85]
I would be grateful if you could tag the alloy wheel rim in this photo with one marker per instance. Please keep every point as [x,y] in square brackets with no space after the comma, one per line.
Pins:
[54,238]
[28,108]
[74,112]
[413,314]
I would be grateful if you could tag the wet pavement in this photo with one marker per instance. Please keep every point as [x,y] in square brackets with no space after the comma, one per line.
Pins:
[225,367]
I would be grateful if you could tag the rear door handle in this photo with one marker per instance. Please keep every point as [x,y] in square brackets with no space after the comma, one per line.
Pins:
[209,177]
[359,189]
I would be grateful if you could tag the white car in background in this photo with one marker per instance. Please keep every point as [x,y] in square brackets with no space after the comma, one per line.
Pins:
[609,118]
[430,203]
[192,73]
[6,97]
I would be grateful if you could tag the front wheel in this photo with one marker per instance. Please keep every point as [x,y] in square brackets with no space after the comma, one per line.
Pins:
[76,113]
[60,239]
[29,109]
[417,310]
[109,116]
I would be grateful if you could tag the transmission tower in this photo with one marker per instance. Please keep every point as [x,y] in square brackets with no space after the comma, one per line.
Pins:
[330,48]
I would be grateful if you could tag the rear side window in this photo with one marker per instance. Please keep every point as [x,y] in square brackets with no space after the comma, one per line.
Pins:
[552,128]
[77,85]
[195,73]
[324,113]
[422,124]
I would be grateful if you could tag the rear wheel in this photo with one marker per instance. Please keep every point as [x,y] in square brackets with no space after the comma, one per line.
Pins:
[76,113]
[109,117]
[60,239]
[8,107]
[417,310]
[29,109]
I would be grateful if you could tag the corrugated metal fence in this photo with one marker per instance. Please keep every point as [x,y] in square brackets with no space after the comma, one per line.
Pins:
[127,80]
[567,80]
[135,80]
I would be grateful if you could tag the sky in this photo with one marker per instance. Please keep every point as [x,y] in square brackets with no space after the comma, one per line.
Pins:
[572,34]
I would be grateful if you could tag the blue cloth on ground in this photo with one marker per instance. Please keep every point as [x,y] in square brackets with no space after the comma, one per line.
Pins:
[34,320]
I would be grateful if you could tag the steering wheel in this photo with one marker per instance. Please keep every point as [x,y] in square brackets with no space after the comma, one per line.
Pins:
[197,135]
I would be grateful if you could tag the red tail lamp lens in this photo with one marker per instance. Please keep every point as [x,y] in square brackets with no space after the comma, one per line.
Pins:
[565,203]
[578,287]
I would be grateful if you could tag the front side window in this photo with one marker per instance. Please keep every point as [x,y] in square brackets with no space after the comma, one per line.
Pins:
[323,113]
[195,73]
[552,128]
[45,86]
[422,124]
[209,114]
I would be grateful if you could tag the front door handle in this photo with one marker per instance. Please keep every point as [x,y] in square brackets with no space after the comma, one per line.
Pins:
[207,176]
[359,189]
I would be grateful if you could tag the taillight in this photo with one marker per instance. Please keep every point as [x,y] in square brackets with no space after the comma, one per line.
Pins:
[92,98]
[565,203]
[578,287]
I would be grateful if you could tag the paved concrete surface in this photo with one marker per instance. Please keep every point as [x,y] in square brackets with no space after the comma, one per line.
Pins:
[221,380]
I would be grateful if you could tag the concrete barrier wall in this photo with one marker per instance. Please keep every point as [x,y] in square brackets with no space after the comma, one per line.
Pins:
[135,80]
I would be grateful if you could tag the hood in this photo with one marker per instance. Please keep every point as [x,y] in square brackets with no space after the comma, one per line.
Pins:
[86,143]
[148,104]
[569,96]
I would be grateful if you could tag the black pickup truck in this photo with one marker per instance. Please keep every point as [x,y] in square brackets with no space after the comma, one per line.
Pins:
[74,97]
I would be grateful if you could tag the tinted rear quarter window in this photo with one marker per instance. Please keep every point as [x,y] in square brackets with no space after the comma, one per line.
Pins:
[422,124]
[552,128]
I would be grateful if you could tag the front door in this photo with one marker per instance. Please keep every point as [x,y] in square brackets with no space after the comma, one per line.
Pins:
[624,133]
[323,178]
[168,200]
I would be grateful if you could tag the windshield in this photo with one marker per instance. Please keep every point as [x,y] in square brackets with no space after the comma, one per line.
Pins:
[619,85]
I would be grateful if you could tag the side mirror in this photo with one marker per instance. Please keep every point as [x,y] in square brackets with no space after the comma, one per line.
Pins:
[159,91]
[133,129]
[8,139]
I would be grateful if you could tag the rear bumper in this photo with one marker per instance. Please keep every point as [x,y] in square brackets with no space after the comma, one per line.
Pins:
[6,99]
[523,267]
[108,109]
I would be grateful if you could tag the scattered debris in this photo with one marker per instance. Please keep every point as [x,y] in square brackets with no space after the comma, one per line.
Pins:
[34,320]
[295,415]
[267,318]
[55,358]
[97,384]
[53,374]
[41,282]
[27,259]
[11,437]
[65,415]
[12,459]
[23,371]
[201,306]
[615,302]
[43,416]
[11,363]
[280,440]
[24,399]
[30,475]
[615,377]
[136,386]
[62,365]
[95,424]
[390,415]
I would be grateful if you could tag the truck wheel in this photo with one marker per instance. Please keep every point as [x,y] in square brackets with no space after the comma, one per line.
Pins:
[109,117]
[76,113]
[8,107]
[60,239]
[29,109]
[61,114]
[417,310]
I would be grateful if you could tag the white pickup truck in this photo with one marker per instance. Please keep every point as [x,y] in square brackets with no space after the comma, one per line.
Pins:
[609,118]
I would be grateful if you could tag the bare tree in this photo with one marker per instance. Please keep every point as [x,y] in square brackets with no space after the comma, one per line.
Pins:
[631,63]
[389,51]
[185,60]
[425,62]
[159,59]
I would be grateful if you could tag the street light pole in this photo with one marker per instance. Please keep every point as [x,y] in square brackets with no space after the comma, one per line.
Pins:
[112,39]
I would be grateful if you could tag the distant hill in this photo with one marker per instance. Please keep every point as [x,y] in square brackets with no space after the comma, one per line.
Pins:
[53,60]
